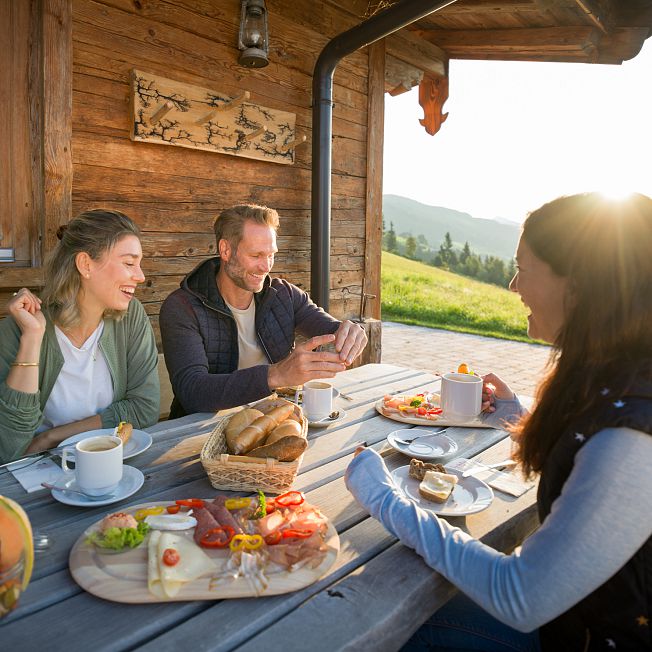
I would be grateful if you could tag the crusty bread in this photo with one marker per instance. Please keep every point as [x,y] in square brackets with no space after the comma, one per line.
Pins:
[418,469]
[255,433]
[437,487]
[289,428]
[286,449]
[124,431]
[237,423]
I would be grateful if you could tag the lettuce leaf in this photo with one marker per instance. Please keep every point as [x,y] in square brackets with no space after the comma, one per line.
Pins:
[117,538]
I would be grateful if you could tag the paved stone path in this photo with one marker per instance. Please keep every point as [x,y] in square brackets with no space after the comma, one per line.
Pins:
[519,364]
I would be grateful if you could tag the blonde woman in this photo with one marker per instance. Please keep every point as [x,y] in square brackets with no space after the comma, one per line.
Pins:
[84,356]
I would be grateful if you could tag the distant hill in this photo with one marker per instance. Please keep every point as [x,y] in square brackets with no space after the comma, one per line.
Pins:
[485,237]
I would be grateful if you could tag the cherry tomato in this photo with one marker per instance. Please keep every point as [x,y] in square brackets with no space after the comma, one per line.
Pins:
[171,557]
[173,509]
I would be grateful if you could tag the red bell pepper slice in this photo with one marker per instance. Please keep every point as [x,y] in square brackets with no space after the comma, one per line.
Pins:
[290,498]
[195,503]
[171,557]
[217,537]
[292,533]
[173,509]
[273,538]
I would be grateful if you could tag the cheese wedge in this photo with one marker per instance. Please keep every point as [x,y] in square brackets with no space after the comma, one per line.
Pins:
[437,487]
[166,581]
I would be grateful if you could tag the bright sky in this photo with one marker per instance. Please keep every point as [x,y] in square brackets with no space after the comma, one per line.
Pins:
[519,134]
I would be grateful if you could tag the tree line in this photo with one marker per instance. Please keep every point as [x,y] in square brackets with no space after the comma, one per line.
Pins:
[490,269]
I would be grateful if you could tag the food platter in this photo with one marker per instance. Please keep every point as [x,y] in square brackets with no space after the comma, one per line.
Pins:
[123,577]
[434,420]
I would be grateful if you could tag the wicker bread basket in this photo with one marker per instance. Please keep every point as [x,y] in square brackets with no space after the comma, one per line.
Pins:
[242,473]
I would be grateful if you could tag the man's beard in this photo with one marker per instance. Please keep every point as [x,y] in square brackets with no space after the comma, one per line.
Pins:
[238,275]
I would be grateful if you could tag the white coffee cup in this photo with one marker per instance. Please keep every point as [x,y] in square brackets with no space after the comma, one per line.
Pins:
[317,400]
[461,396]
[98,464]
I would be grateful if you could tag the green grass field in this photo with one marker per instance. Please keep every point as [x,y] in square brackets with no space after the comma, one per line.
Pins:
[414,293]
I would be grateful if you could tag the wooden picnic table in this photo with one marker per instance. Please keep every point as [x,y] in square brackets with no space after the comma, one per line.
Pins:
[374,597]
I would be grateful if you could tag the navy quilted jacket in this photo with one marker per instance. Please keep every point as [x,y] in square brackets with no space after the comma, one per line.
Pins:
[200,339]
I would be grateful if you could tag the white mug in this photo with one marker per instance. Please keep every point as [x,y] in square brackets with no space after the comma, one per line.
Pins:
[98,464]
[317,400]
[461,396]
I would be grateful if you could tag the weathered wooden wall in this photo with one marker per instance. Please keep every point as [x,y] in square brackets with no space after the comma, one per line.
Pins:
[175,194]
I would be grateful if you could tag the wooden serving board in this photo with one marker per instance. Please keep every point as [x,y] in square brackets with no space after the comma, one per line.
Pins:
[122,577]
[441,420]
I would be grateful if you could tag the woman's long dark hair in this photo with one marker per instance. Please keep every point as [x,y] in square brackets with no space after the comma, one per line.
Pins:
[604,249]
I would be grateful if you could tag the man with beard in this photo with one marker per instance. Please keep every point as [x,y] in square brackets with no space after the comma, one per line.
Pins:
[228,332]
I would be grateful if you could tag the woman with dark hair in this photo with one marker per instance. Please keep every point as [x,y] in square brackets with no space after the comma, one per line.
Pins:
[83,357]
[583,580]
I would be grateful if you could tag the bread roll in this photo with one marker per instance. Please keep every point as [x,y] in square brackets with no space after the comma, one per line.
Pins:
[237,423]
[288,428]
[255,433]
[124,431]
[286,449]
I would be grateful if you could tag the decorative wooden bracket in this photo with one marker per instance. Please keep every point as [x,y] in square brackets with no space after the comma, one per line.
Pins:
[168,112]
[433,92]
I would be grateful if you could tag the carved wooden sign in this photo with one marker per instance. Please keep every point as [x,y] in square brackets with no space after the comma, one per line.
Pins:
[173,113]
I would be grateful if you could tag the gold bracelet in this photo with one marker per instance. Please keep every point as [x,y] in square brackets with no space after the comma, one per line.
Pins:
[24,364]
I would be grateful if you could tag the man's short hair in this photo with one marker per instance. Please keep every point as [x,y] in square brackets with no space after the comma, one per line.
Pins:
[230,223]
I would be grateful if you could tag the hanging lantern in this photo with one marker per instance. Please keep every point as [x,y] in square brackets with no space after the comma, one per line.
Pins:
[252,37]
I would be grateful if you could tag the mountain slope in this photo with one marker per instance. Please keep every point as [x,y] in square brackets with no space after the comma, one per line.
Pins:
[485,237]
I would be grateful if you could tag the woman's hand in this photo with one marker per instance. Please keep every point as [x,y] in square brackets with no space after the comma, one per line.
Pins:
[25,308]
[494,388]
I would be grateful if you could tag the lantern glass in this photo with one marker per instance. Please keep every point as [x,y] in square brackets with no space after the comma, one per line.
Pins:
[252,38]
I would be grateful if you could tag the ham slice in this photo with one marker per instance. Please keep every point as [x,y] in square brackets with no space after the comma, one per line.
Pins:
[205,522]
[222,514]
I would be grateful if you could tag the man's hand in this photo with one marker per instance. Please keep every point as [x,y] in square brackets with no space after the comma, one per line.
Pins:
[350,340]
[304,364]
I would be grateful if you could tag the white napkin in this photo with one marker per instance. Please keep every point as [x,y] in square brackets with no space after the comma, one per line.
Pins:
[31,474]
[509,483]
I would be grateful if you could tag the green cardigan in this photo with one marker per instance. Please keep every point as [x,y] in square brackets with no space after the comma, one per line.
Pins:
[130,351]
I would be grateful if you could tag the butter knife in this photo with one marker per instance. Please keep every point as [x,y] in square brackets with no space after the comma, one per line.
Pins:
[479,467]
[32,457]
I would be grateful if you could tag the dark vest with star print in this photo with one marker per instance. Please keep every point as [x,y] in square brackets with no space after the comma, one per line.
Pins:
[616,616]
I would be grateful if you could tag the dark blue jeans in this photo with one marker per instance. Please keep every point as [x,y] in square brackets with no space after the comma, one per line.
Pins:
[461,625]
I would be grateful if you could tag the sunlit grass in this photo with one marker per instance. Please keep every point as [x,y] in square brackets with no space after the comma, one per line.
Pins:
[414,293]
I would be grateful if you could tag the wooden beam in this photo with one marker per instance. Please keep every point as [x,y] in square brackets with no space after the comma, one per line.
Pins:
[579,42]
[594,14]
[374,193]
[400,76]
[57,116]
[404,45]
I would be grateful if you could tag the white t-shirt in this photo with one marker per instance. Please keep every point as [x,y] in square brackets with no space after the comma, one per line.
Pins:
[83,387]
[249,349]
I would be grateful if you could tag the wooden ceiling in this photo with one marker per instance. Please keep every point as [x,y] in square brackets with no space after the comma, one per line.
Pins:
[579,31]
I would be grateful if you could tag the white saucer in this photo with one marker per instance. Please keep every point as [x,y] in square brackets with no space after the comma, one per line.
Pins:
[132,481]
[323,423]
[469,496]
[138,442]
[428,447]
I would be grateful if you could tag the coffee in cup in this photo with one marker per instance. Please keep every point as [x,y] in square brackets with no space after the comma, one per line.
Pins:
[98,464]
[461,396]
[317,400]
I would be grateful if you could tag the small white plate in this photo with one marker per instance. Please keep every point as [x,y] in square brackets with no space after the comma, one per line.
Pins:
[138,442]
[469,496]
[429,445]
[323,423]
[132,481]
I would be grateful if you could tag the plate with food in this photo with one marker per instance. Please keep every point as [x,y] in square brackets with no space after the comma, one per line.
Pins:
[421,409]
[133,441]
[206,549]
[441,491]
[422,444]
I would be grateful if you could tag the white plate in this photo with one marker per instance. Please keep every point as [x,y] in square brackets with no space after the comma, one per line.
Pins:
[138,442]
[469,496]
[439,420]
[323,423]
[132,481]
[429,446]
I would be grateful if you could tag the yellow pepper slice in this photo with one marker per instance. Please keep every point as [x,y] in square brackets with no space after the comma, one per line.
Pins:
[237,503]
[142,514]
[246,542]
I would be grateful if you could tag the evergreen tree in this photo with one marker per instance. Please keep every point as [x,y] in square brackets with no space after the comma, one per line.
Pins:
[466,252]
[390,241]
[410,246]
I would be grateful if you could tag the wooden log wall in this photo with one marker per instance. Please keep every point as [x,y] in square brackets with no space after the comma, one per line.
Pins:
[175,194]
